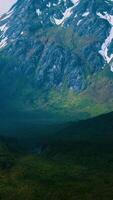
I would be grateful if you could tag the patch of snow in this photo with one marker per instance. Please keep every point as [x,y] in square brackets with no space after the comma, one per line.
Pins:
[107,42]
[85,14]
[3,42]
[105,46]
[106,16]
[75,2]
[22,33]
[38,12]
[3,28]
[79,22]
[54,67]
[66,14]
[49,5]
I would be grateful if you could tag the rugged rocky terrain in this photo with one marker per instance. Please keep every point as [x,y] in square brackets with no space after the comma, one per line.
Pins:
[58,46]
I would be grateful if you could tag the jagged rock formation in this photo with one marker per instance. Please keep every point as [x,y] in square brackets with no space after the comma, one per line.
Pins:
[57,56]
[59,40]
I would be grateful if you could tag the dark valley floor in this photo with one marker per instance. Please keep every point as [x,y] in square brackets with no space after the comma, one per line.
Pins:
[71,161]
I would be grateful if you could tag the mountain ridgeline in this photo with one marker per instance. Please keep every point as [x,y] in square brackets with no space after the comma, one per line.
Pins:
[57,56]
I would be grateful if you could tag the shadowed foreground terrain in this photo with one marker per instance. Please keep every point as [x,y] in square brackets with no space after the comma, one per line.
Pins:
[72,161]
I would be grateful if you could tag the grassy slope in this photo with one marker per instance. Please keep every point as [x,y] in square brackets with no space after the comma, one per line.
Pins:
[19,93]
[95,100]
[74,162]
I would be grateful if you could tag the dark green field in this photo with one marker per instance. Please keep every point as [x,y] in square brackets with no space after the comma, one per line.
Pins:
[72,161]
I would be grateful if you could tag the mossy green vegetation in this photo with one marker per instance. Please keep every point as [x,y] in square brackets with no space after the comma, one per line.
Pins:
[95,100]
[73,161]
[21,94]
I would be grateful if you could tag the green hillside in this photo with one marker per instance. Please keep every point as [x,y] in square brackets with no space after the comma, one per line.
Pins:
[18,93]
[71,161]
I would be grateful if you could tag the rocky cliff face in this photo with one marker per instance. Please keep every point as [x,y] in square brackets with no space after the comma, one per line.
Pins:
[57,56]
[59,41]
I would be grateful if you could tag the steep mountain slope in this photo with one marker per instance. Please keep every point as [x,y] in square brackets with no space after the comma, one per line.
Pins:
[59,46]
